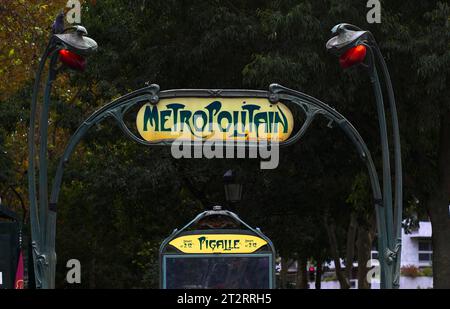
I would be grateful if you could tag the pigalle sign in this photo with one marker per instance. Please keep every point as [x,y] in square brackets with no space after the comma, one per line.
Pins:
[224,119]
[218,243]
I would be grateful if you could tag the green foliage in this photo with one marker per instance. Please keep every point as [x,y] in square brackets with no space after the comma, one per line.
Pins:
[427,272]
[148,264]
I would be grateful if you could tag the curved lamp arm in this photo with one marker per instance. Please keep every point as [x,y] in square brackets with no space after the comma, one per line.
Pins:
[34,214]
[387,182]
[36,226]
[398,209]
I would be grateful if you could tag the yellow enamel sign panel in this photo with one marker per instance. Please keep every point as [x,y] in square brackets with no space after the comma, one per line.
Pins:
[218,243]
[215,119]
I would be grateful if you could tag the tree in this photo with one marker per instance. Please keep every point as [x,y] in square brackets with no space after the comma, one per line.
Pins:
[433,69]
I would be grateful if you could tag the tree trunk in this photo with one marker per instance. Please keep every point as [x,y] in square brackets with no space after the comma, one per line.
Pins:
[364,244]
[283,273]
[319,275]
[441,242]
[438,209]
[351,237]
[302,275]
[331,231]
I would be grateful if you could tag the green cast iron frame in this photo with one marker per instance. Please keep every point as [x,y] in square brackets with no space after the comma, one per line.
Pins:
[43,214]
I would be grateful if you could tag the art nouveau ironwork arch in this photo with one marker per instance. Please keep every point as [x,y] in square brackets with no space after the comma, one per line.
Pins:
[310,106]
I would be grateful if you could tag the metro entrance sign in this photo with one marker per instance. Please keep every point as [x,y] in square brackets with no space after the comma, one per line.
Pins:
[243,117]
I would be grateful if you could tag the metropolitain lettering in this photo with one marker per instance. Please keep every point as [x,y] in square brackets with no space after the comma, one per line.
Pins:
[175,117]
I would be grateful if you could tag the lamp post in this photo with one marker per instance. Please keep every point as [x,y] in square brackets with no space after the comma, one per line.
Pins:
[70,47]
[233,190]
[352,45]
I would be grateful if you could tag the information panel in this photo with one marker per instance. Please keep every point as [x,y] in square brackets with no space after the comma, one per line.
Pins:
[218,272]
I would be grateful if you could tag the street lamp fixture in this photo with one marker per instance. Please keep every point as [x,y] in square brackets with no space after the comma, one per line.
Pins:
[346,44]
[233,190]
[346,37]
[75,39]
[75,47]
